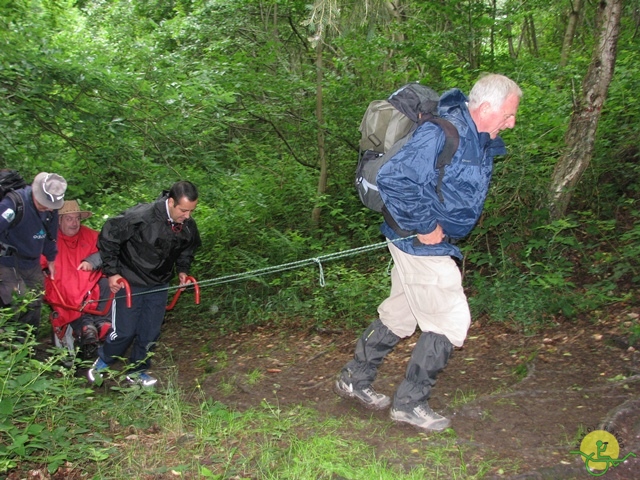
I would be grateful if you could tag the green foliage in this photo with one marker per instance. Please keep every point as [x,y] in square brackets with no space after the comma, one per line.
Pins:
[123,98]
[87,117]
[629,251]
[45,413]
[517,302]
[564,268]
[633,331]
[348,298]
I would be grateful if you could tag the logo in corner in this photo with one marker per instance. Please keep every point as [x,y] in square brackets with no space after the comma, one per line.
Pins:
[600,450]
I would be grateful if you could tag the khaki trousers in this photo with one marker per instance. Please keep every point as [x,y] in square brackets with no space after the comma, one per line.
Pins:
[426,292]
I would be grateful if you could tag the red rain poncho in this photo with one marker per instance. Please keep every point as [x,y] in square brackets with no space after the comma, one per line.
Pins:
[74,286]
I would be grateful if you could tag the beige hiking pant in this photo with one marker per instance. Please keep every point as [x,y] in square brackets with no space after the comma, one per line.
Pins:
[426,292]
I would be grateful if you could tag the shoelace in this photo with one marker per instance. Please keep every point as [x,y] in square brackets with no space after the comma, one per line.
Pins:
[371,392]
[426,411]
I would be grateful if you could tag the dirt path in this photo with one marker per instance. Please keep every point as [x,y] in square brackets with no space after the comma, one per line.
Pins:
[523,399]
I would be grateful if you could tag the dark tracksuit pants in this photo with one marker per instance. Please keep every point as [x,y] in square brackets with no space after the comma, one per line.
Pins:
[138,326]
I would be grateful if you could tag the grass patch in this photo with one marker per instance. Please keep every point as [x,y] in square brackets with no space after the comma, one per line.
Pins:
[461,398]
[51,421]
[137,433]
[254,376]
[227,385]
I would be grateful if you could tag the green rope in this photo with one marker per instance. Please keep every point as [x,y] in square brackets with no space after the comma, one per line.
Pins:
[293,265]
[281,268]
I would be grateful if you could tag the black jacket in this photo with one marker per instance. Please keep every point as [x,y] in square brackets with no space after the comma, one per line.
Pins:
[141,245]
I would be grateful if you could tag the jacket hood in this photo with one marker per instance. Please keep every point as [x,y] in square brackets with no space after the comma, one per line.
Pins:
[453,98]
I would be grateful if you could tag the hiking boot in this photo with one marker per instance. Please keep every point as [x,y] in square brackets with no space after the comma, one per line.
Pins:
[94,371]
[142,378]
[89,335]
[421,417]
[89,351]
[367,396]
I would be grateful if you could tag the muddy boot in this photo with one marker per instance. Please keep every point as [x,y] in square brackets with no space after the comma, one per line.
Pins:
[89,335]
[89,342]
[421,417]
[355,379]
[429,357]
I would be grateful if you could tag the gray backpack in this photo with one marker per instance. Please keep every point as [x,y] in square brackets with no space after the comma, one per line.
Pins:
[386,126]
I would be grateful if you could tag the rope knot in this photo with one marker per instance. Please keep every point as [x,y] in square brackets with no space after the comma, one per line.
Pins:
[317,260]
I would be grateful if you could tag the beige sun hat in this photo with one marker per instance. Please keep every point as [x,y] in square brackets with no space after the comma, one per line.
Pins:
[71,206]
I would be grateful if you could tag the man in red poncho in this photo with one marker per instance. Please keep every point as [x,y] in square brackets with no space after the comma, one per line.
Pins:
[76,282]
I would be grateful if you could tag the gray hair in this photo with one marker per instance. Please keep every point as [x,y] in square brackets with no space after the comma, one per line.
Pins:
[493,89]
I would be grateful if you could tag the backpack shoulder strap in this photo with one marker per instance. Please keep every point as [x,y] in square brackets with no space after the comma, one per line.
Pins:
[46,223]
[19,205]
[394,225]
[451,144]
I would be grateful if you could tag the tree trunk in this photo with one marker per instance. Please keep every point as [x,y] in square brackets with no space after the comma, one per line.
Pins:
[522,39]
[322,160]
[492,35]
[533,37]
[512,50]
[570,33]
[471,41]
[395,11]
[580,136]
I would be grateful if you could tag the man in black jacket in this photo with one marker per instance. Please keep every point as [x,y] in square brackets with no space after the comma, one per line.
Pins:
[145,245]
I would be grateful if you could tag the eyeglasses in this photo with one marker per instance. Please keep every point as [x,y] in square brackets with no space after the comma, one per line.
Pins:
[175,227]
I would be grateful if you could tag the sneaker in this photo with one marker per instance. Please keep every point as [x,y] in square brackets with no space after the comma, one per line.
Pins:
[421,417]
[367,396]
[94,371]
[142,378]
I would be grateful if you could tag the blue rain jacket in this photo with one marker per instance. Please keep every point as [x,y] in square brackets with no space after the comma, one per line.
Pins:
[407,182]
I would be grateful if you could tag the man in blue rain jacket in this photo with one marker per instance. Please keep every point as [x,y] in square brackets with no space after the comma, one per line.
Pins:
[426,283]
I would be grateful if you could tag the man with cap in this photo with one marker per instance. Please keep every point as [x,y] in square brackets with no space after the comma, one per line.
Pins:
[77,279]
[24,239]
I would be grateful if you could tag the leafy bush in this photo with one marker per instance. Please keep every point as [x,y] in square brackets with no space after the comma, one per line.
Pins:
[44,410]
[348,298]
